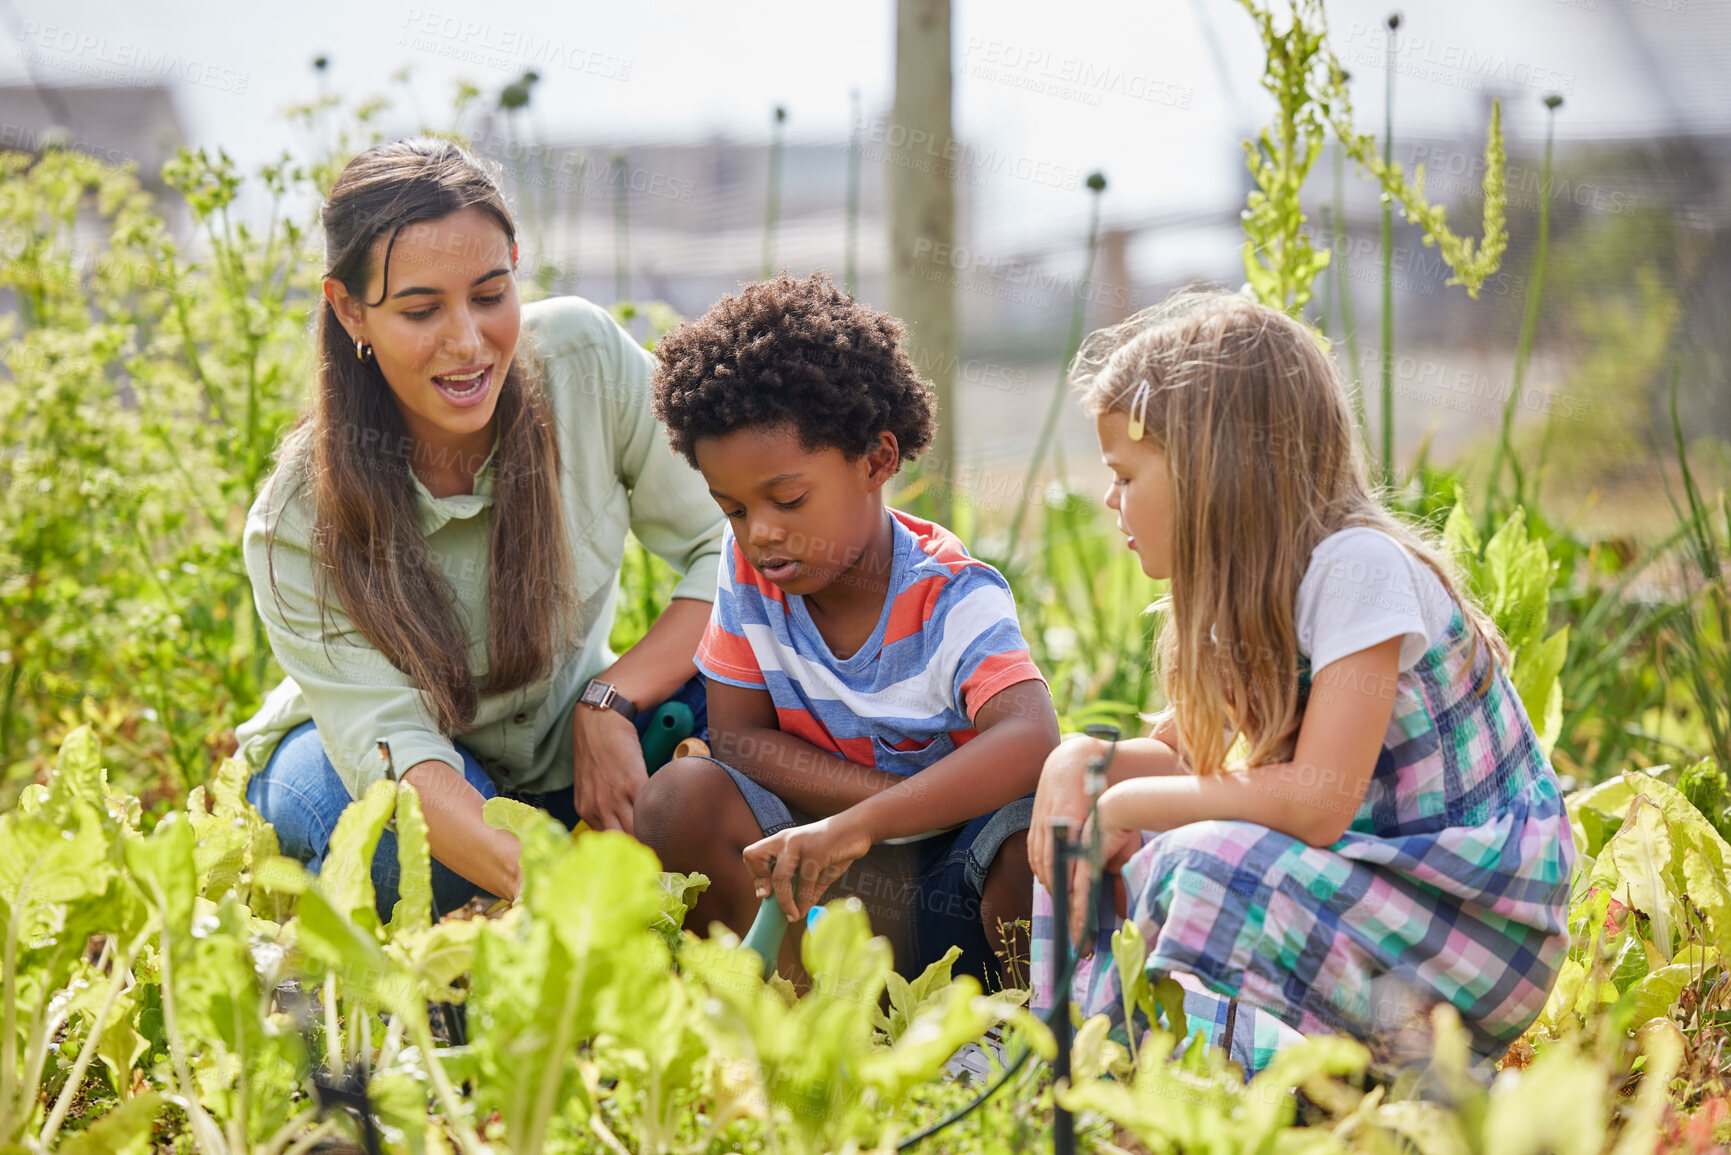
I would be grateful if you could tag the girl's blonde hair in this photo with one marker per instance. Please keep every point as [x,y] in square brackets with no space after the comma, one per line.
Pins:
[1265,463]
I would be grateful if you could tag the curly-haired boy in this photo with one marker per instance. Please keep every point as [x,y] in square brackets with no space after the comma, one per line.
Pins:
[877,724]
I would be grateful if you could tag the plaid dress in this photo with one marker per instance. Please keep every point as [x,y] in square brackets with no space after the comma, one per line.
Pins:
[1451,884]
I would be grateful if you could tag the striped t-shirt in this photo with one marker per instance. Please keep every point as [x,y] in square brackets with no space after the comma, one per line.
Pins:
[946,642]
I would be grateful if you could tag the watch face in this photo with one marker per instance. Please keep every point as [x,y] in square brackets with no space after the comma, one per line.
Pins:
[595,694]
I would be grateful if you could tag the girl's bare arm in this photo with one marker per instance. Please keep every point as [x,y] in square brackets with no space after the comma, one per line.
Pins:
[1314,796]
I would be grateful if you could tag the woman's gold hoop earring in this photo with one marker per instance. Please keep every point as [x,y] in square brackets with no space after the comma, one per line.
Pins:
[363,351]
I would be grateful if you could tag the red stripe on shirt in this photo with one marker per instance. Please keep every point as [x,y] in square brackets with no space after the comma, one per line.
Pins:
[729,654]
[913,608]
[858,751]
[997,672]
[937,543]
[802,724]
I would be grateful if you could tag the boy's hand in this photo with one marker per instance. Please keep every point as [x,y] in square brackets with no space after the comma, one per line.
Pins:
[819,851]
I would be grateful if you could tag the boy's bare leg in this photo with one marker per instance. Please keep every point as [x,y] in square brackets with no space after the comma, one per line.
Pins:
[696,820]
[1009,898]
[693,816]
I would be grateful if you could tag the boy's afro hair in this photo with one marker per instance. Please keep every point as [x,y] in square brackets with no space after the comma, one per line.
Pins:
[792,352]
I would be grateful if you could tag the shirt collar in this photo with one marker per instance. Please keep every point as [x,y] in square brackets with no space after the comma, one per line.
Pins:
[432,513]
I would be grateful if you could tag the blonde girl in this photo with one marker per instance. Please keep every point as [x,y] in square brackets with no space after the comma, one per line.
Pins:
[1344,817]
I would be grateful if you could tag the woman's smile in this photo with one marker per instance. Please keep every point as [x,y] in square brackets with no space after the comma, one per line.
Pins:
[467,387]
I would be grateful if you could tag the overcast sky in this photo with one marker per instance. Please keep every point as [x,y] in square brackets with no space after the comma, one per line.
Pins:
[1139,89]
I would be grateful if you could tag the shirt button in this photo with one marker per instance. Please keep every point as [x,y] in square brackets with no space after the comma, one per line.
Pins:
[520,719]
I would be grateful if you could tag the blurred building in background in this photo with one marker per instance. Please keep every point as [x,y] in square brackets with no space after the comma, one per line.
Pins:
[118,124]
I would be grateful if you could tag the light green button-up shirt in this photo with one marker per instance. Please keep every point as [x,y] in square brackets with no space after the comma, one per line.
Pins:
[617,472]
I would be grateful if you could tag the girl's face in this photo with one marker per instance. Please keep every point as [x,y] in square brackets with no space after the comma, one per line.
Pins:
[1141,492]
[446,330]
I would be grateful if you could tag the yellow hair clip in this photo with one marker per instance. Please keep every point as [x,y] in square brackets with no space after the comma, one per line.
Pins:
[1139,409]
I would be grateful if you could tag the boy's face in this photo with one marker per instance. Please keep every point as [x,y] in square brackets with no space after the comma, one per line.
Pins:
[803,517]
[1141,492]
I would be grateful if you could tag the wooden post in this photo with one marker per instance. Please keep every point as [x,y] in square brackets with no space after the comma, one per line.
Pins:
[922,217]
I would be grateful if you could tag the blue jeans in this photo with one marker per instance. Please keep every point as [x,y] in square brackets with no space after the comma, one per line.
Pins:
[298,792]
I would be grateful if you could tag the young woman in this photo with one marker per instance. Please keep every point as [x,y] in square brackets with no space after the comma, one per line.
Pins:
[436,554]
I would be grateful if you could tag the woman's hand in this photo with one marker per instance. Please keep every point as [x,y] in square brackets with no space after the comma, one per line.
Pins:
[820,852]
[1062,793]
[458,836]
[608,767]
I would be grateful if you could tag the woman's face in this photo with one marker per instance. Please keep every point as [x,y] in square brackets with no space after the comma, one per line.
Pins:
[1141,492]
[447,327]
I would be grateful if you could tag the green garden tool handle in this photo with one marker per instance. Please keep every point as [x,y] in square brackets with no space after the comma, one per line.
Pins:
[670,724]
[770,927]
[767,931]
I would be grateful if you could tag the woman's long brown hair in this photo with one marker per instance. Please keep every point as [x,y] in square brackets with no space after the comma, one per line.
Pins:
[1265,463]
[354,450]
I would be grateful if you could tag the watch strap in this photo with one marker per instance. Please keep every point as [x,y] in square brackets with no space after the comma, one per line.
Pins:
[599,695]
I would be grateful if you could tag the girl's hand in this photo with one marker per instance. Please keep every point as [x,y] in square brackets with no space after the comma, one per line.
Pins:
[820,852]
[1062,793]
[1117,844]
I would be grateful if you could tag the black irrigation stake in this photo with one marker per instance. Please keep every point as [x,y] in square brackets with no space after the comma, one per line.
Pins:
[1063,1125]
[967,1109]
[349,1093]
[1063,963]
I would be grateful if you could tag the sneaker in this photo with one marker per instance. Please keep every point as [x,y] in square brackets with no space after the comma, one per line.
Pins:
[973,1062]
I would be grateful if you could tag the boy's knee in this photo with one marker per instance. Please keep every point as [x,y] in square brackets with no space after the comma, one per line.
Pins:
[680,802]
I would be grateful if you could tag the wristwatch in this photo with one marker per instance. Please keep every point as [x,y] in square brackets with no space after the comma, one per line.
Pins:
[599,695]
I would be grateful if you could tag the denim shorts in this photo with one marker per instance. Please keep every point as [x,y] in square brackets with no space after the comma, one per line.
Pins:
[298,792]
[940,878]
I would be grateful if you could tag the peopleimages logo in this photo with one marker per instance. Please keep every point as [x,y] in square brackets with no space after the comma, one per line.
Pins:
[476,42]
[1454,65]
[968,158]
[1067,77]
[123,62]
[996,276]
